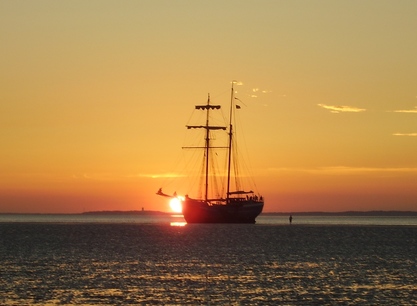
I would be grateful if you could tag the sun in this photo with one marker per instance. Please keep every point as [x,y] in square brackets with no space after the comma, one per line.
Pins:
[176,205]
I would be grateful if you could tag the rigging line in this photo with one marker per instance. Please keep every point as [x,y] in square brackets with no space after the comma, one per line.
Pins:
[224,168]
[201,181]
[243,160]
[169,180]
[191,116]
[241,101]
[222,93]
[219,179]
[177,162]
[191,163]
[235,171]
[246,161]
[175,168]
[213,181]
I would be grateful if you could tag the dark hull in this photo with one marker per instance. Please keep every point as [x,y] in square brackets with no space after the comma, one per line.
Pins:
[240,211]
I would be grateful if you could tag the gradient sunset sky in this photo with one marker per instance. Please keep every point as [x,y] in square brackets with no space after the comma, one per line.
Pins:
[95,95]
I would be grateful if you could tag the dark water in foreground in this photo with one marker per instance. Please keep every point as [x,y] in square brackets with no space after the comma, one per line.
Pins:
[49,263]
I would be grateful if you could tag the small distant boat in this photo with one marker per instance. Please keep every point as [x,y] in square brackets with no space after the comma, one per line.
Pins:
[234,206]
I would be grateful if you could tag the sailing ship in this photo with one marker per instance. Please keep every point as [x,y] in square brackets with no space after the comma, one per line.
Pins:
[234,206]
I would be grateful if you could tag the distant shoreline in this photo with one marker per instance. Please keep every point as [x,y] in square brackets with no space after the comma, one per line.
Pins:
[374,213]
[126,212]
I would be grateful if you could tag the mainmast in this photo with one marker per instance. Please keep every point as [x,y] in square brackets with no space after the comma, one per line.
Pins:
[207,148]
[229,162]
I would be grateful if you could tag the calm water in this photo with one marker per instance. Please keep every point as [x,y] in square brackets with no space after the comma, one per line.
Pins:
[119,260]
[168,219]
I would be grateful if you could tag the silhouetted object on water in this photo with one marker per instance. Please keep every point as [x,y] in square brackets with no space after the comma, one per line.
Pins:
[234,206]
[290,219]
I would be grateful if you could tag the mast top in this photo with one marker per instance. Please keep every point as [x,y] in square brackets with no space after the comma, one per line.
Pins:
[206,107]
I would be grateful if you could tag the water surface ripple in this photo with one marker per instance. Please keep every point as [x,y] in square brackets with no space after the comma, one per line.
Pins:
[143,264]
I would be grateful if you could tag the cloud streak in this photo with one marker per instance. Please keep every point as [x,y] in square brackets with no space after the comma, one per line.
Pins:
[343,170]
[409,111]
[117,177]
[342,108]
[157,176]
[405,134]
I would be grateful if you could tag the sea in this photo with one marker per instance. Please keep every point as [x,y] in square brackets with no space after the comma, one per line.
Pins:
[161,260]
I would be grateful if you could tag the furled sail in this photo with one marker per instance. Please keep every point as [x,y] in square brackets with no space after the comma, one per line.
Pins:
[240,192]
[206,107]
[206,127]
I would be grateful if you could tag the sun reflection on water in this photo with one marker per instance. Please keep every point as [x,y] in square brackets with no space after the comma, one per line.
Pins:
[178,223]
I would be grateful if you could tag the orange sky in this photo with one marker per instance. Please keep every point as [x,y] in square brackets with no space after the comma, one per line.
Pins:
[94,97]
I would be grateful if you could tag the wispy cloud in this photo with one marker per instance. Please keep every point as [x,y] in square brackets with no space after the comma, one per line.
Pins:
[405,134]
[253,92]
[343,170]
[118,177]
[162,175]
[98,177]
[353,170]
[238,83]
[157,175]
[257,91]
[412,111]
[342,108]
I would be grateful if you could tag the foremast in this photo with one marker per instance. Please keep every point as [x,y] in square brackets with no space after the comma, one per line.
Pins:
[207,146]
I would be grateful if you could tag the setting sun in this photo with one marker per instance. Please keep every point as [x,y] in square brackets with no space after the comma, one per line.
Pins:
[175,205]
